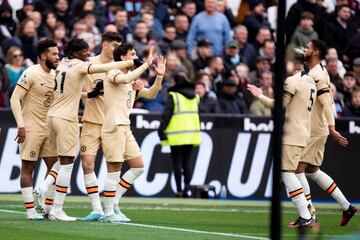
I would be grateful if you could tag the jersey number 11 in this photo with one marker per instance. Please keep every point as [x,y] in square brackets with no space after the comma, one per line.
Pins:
[63,75]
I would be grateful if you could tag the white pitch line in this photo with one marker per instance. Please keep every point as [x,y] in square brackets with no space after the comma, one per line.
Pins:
[10,211]
[171,228]
[199,231]
[193,231]
[157,208]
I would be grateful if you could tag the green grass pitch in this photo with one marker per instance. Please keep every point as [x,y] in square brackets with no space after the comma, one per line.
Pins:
[170,219]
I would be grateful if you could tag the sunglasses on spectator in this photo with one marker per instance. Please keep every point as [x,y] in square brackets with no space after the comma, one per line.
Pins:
[17,55]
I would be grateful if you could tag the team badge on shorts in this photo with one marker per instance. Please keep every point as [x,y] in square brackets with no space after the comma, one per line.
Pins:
[83,148]
[32,154]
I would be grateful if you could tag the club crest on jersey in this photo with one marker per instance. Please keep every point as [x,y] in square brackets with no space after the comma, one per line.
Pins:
[49,99]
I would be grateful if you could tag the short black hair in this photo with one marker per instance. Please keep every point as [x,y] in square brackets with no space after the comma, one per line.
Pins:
[139,22]
[122,50]
[320,46]
[169,25]
[44,45]
[111,37]
[187,2]
[74,45]
[339,7]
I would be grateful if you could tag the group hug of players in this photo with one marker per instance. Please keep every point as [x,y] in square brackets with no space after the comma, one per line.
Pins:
[45,105]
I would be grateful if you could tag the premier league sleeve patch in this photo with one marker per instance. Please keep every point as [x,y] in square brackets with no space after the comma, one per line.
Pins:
[23,80]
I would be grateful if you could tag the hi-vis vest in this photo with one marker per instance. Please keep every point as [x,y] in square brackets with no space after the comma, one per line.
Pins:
[184,125]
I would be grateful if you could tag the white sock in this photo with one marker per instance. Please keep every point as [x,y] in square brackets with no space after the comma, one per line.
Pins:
[49,198]
[296,193]
[305,185]
[50,178]
[110,192]
[27,194]
[62,185]
[126,181]
[329,186]
[92,188]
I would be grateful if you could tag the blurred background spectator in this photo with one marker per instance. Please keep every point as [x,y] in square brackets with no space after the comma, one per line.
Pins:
[218,46]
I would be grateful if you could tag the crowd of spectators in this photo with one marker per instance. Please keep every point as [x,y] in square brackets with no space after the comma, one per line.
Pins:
[219,51]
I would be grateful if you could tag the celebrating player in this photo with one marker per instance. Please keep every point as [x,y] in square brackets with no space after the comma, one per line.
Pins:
[30,103]
[70,77]
[92,122]
[322,124]
[299,97]
[119,143]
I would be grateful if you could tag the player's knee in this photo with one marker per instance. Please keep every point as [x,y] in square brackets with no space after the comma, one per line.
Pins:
[88,166]
[311,169]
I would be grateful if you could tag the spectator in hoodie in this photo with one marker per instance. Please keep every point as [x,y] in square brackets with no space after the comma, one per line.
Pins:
[305,31]
[294,16]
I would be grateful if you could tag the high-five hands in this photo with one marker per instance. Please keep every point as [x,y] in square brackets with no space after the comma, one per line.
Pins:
[150,57]
[160,66]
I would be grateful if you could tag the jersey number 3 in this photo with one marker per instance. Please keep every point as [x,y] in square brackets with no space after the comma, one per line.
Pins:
[311,99]
[62,81]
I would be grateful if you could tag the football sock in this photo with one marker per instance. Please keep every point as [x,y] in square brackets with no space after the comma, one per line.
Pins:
[296,193]
[110,192]
[62,185]
[329,186]
[27,194]
[305,185]
[50,178]
[126,182]
[49,198]
[92,188]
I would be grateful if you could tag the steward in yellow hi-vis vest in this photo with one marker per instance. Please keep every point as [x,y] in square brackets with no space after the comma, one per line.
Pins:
[180,129]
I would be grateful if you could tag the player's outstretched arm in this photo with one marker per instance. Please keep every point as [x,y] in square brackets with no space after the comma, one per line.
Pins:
[105,67]
[121,78]
[257,92]
[325,99]
[15,102]
[160,69]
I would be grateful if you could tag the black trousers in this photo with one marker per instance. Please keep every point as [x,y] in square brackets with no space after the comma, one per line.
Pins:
[181,158]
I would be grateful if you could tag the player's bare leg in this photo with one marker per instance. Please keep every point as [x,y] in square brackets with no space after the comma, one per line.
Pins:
[45,193]
[329,186]
[92,188]
[62,185]
[26,183]
[112,179]
[126,182]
